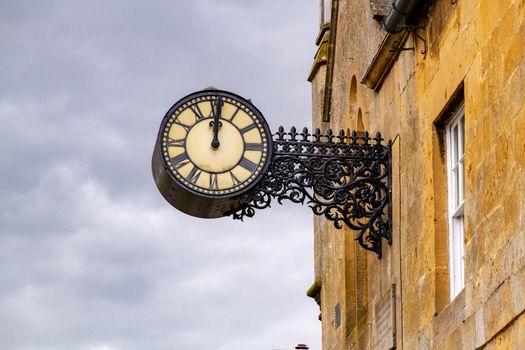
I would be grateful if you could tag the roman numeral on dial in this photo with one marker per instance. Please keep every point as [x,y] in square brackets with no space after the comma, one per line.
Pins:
[194,174]
[248,165]
[212,110]
[186,127]
[235,180]
[234,114]
[248,128]
[253,146]
[180,160]
[197,111]
[214,182]
[176,143]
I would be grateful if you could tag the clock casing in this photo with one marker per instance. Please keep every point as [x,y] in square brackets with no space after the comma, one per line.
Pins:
[213,146]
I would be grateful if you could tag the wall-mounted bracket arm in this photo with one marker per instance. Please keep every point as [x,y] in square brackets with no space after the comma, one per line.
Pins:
[345,178]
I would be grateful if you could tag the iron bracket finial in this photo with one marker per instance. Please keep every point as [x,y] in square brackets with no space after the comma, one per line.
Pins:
[397,45]
[344,177]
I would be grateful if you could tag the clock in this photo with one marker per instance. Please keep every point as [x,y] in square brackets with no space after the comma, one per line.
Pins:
[212,147]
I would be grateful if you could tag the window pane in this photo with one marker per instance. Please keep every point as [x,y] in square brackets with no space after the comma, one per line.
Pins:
[455,145]
[461,244]
[462,135]
[455,175]
[460,183]
[455,185]
[457,258]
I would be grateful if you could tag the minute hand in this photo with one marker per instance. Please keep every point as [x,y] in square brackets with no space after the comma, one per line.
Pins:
[217,124]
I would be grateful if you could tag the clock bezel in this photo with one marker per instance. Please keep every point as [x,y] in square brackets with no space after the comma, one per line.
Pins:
[258,116]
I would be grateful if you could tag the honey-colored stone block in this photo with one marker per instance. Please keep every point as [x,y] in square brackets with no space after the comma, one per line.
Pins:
[475,50]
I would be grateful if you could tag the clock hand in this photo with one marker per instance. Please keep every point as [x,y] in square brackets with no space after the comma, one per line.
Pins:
[216,124]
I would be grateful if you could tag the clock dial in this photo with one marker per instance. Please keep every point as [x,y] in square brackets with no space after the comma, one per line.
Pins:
[215,143]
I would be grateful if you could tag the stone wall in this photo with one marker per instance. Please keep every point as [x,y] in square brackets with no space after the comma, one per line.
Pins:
[475,48]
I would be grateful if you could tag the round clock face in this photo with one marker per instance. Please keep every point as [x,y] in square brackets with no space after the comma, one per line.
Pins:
[215,143]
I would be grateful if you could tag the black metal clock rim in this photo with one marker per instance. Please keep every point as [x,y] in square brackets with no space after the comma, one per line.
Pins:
[205,92]
[224,93]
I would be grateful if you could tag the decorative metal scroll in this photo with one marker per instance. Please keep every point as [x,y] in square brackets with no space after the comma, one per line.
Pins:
[345,178]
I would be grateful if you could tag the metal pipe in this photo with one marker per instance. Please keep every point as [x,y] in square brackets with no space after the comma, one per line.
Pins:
[395,20]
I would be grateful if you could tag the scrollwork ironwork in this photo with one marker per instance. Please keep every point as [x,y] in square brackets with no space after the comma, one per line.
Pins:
[345,178]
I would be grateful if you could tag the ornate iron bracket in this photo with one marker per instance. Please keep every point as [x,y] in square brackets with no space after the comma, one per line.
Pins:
[345,178]
[396,45]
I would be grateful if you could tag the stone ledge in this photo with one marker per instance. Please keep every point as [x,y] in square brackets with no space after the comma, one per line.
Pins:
[324,29]
[383,60]
[321,56]
[450,318]
[314,290]
[490,319]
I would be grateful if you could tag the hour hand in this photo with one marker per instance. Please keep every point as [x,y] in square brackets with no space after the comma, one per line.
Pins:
[216,123]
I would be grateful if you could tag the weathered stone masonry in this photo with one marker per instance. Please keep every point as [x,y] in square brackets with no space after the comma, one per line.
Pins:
[475,51]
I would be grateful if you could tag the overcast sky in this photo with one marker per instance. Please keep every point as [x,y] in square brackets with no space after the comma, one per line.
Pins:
[91,256]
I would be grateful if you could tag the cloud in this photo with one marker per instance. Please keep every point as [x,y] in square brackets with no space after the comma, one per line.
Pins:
[92,257]
[101,347]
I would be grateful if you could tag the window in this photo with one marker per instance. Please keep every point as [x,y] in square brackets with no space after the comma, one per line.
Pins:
[455,154]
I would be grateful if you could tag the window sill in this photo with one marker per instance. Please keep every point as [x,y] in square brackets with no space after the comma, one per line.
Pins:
[451,317]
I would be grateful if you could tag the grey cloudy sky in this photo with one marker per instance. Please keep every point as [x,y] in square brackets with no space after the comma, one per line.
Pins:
[91,256]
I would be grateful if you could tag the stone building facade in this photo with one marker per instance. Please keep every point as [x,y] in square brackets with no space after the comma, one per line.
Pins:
[452,101]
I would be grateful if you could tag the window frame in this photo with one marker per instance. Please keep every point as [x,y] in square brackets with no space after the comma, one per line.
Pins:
[455,146]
